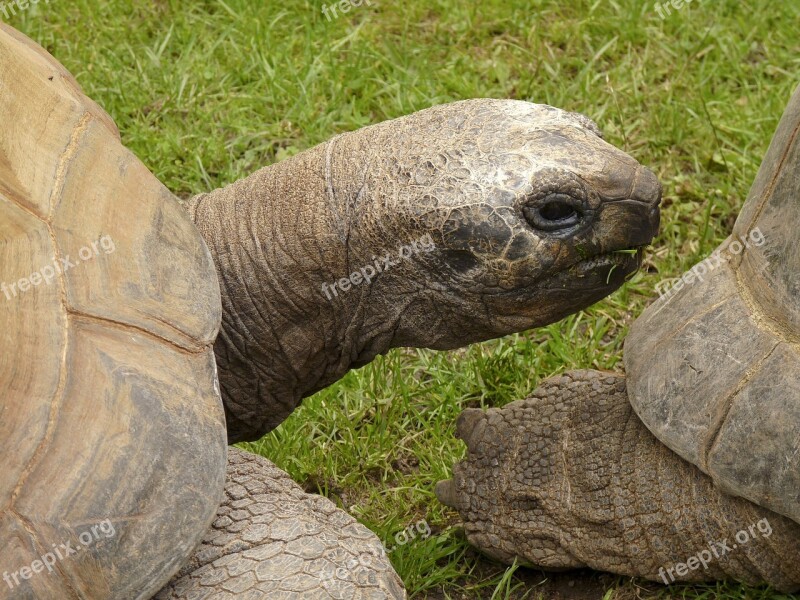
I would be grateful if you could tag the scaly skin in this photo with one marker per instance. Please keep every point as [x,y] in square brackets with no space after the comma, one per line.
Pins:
[571,478]
[272,540]
[510,205]
[479,177]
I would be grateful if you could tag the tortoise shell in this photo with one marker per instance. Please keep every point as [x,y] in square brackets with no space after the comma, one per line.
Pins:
[112,431]
[714,365]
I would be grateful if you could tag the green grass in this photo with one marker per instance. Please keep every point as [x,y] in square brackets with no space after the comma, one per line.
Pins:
[207,91]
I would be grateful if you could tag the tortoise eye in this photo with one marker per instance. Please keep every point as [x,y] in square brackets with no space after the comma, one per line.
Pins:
[554,212]
[557,211]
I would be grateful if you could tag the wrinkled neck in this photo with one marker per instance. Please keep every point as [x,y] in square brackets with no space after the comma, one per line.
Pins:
[279,239]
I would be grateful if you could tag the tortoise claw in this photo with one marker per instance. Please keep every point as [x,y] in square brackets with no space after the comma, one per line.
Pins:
[446,493]
[470,426]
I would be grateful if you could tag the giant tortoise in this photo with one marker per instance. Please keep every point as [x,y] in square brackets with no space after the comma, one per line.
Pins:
[114,422]
[688,467]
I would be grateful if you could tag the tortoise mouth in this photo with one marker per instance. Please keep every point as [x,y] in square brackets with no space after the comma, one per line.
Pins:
[628,260]
[606,271]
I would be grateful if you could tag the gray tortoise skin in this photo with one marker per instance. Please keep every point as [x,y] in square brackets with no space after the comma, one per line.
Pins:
[272,540]
[571,478]
[524,204]
[695,446]
[526,209]
[479,179]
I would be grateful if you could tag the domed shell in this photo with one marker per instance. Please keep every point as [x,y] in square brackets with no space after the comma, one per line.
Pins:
[112,431]
[714,365]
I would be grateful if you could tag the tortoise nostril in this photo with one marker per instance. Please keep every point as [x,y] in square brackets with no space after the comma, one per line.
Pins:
[647,187]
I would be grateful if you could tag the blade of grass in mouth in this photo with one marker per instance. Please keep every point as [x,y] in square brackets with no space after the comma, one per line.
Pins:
[608,279]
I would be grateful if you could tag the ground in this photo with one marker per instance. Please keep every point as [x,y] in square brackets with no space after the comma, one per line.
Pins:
[208,91]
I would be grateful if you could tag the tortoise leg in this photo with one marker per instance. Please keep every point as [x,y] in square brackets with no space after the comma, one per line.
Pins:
[272,540]
[571,477]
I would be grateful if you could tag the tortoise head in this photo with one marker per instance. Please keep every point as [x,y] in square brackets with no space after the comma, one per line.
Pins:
[531,216]
[456,224]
